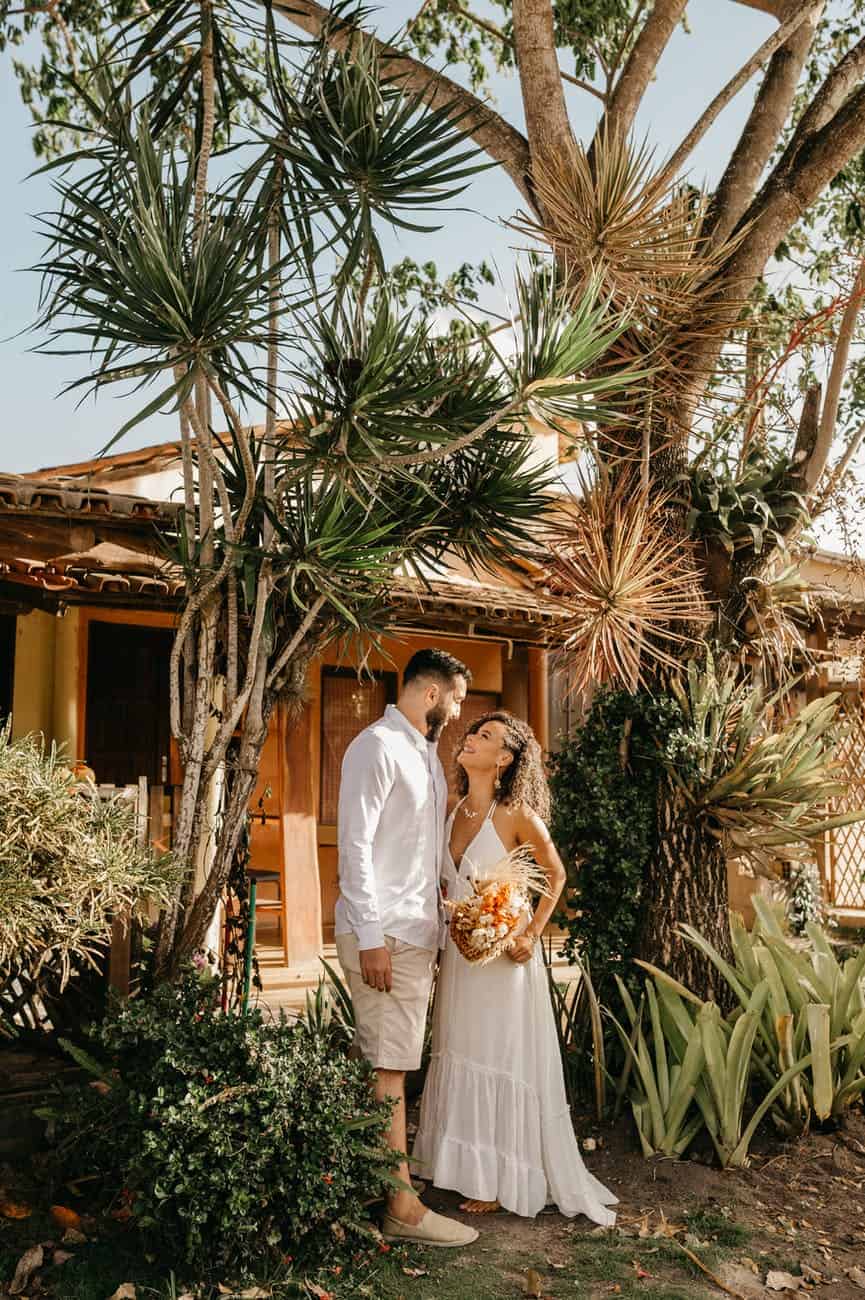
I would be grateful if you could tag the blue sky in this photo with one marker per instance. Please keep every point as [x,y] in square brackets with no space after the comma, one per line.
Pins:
[41,427]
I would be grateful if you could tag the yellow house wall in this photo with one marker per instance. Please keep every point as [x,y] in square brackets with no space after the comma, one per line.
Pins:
[46,677]
[33,694]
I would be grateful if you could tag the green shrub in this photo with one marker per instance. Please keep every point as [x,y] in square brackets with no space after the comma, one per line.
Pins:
[237,1140]
[69,862]
[604,784]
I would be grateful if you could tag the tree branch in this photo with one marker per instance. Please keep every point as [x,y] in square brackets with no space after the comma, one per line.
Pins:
[832,95]
[488,129]
[497,32]
[547,124]
[640,66]
[817,461]
[734,85]
[765,124]
[840,469]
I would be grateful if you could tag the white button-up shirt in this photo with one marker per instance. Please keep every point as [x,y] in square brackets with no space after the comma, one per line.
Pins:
[392,801]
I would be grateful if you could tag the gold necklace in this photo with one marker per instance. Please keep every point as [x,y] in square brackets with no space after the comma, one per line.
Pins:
[466,812]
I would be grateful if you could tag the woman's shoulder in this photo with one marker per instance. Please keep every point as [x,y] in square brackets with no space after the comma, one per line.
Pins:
[525,821]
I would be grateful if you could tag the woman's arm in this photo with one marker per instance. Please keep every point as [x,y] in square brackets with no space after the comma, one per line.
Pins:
[530,829]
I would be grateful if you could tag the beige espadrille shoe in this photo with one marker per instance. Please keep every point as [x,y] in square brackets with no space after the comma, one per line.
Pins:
[433,1230]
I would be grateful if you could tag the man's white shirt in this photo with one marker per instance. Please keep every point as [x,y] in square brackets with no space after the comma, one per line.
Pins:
[392,802]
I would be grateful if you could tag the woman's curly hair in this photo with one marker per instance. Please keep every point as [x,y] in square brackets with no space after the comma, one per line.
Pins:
[522,781]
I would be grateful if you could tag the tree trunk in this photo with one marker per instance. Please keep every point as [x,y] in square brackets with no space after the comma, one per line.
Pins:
[685,881]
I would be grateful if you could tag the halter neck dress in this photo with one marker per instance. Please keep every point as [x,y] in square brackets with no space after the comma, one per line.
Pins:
[494,1120]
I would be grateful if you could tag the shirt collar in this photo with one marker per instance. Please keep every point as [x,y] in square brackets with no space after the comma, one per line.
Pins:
[394,715]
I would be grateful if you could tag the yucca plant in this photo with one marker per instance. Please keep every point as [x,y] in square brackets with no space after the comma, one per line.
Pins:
[383,447]
[629,592]
[757,778]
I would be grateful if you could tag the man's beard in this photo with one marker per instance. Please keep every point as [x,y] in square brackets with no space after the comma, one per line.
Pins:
[436,721]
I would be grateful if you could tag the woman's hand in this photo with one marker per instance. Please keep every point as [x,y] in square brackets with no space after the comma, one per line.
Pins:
[521,949]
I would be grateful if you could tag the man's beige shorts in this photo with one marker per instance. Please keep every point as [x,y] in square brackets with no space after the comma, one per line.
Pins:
[390,1026]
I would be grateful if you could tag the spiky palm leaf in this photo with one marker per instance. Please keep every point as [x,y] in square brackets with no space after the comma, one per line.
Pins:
[614,216]
[629,589]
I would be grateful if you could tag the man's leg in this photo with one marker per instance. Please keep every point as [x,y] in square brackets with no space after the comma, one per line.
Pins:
[402,1204]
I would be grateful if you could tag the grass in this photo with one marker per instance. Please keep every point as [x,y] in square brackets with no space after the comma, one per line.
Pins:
[709,1225]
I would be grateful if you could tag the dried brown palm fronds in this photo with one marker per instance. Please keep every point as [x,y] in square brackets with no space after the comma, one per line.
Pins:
[617,216]
[629,588]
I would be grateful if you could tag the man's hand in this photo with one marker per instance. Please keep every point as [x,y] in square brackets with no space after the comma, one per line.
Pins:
[375,968]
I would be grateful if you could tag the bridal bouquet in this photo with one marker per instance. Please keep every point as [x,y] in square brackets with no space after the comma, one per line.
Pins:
[485,924]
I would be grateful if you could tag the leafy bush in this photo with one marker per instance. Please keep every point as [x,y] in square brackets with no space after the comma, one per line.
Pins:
[235,1139]
[69,861]
[604,785]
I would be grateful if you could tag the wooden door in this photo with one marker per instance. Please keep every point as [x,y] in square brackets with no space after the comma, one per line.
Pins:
[127,714]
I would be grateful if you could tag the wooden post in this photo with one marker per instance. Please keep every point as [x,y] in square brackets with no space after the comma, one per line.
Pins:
[120,954]
[539,695]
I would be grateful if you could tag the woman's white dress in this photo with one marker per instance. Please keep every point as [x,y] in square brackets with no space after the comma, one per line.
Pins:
[494,1120]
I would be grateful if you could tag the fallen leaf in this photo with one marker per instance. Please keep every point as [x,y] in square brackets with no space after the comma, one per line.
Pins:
[73,1237]
[255,1293]
[751,1265]
[61,1256]
[126,1291]
[25,1268]
[15,1210]
[639,1270]
[318,1292]
[857,1276]
[532,1285]
[554,1263]
[777,1280]
[415,1272]
[811,1274]
[223,1289]
[64,1217]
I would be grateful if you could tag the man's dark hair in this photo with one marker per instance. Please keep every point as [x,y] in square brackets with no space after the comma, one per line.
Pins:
[435,663]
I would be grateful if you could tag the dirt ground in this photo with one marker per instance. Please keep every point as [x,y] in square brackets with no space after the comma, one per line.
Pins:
[792,1223]
[795,1219]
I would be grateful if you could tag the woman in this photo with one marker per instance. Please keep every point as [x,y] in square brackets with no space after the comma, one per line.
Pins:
[494,1122]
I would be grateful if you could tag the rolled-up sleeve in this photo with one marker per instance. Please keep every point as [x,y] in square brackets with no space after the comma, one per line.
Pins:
[367,778]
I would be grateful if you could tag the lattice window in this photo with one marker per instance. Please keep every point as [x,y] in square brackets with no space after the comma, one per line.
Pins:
[845,851]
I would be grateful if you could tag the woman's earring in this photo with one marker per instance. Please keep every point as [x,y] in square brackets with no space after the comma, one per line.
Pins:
[498,785]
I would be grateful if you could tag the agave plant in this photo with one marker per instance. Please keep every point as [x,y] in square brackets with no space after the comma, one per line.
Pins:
[662,1100]
[695,1071]
[762,790]
[815,1004]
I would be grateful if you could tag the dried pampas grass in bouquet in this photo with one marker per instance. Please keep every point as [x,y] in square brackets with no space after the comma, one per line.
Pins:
[485,924]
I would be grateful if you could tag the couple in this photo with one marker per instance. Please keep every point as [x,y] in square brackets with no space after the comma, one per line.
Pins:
[494,1121]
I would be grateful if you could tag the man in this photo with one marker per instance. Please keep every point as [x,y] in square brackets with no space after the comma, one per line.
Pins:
[389,913]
